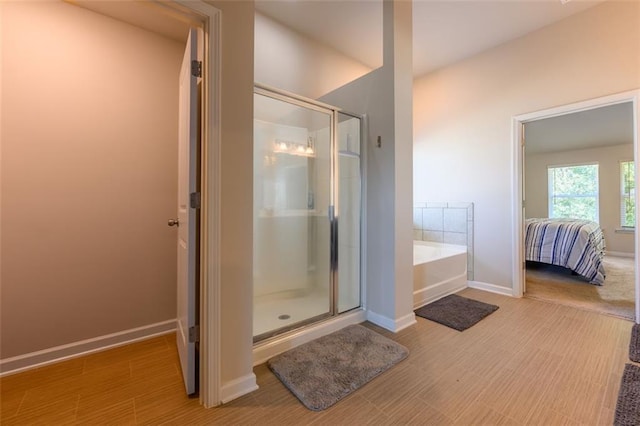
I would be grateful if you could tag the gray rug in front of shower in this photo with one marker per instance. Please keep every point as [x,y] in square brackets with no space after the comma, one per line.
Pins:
[628,404]
[456,311]
[323,371]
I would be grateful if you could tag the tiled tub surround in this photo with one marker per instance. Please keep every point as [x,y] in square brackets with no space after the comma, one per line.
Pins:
[445,222]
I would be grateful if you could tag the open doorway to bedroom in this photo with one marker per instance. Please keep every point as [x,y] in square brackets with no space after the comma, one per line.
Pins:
[578,239]
[579,176]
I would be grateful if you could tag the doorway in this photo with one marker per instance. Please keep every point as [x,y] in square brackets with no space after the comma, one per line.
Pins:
[552,160]
[107,181]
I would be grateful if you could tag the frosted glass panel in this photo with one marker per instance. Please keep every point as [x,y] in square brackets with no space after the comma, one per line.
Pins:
[291,248]
[349,206]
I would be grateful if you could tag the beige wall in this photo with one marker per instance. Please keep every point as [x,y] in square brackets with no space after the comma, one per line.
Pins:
[463,113]
[608,159]
[89,176]
[288,60]
[385,96]
[236,286]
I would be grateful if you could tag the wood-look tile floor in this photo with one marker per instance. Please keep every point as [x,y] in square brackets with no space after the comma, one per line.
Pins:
[530,362]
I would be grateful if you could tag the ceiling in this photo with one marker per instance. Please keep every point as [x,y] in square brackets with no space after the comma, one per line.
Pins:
[599,127]
[448,31]
[154,16]
[444,31]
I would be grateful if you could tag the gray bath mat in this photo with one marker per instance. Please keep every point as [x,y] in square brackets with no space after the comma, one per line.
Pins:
[321,372]
[634,344]
[456,311]
[628,405]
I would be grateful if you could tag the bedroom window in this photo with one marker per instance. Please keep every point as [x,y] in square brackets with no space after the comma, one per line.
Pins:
[627,194]
[573,192]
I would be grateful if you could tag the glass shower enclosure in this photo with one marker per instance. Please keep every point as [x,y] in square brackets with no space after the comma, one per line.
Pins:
[307,180]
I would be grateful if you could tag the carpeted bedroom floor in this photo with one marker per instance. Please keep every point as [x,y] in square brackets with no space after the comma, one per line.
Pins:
[615,297]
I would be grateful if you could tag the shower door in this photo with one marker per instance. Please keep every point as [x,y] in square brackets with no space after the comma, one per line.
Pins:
[293,213]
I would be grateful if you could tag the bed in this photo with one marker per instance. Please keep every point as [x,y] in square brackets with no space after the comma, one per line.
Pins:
[571,243]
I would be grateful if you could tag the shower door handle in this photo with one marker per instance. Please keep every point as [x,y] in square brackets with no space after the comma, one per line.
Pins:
[333,229]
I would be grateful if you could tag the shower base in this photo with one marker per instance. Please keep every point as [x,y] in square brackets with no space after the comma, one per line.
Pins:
[274,311]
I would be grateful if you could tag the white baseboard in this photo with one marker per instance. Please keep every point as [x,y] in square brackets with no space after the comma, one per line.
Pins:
[405,321]
[268,349]
[48,356]
[492,288]
[391,324]
[432,293]
[238,387]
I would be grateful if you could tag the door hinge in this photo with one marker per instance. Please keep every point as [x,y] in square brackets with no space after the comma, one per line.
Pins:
[194,334]
[196,68]
[194,200]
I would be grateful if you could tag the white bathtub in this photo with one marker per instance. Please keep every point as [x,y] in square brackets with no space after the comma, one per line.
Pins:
[438,269]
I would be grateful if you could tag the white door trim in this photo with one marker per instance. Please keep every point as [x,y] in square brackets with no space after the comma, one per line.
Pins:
[210,212]
[517,155]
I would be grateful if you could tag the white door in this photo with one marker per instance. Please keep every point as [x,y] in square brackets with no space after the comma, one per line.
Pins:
[188,202]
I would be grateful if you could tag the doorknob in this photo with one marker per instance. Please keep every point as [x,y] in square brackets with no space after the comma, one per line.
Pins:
[173,222]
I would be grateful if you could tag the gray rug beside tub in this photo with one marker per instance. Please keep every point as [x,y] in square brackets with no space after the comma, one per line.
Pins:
[456,311]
